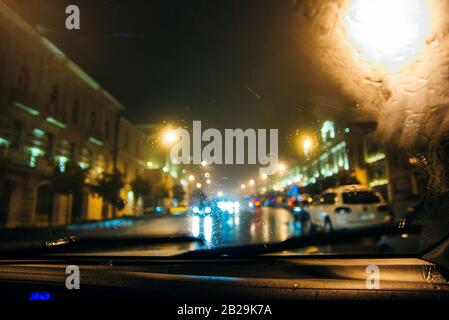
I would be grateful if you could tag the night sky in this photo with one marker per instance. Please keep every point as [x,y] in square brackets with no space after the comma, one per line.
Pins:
[229,64]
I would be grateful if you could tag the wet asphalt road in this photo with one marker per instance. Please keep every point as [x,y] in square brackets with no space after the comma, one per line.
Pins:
[217,229]
[220,228]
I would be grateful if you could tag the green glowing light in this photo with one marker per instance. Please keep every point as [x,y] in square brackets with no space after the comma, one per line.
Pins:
[53,49]
[56,123]
[4,142]
[26,108]
[95,141]
[62,161]
[83,165]
[34,154]
[374,158]
[38,133]
[378,182]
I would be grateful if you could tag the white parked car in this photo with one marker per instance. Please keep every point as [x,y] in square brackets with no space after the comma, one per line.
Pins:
[349,207]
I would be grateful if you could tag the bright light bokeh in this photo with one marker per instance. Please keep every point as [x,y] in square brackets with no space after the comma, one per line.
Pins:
[208,229]
[195,226]
[169,137]
[388,32]
[282,167]
[229,206]
[307,145]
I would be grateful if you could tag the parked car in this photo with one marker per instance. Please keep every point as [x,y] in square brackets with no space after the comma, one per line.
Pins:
[349,207]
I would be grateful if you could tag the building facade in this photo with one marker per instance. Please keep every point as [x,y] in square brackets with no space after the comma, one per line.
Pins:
[52,114]
[354,150]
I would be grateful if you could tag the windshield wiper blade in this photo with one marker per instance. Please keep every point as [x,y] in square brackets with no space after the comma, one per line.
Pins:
[79,244]
[337,237]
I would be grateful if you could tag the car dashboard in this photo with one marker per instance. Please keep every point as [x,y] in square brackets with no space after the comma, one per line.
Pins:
[262,278]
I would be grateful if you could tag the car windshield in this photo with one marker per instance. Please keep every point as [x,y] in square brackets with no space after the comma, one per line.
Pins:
[360,197]
[232,122]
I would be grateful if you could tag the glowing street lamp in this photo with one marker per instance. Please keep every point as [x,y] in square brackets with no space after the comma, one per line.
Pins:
[397,37]
[169,137]
[282,167]
[243,186]
[307,145]
[203,163]
[198,185]
[220,194]
[191,178]
[208,181]
[264,176]
[251,182]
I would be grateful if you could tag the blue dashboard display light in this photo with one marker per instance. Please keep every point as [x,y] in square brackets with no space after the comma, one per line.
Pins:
[40,296]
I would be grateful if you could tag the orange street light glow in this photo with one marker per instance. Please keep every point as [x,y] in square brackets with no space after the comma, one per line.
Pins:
[169,137]
[282,168]
[307,145]
[388,32]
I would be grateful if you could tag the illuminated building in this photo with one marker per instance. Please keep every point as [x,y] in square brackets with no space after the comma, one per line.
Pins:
[53,113]
[354,151]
